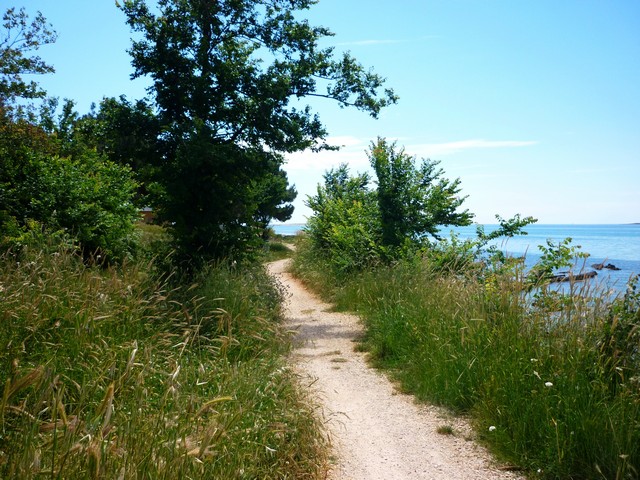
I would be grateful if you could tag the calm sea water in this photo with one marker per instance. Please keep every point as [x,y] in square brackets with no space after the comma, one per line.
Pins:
[615,244]
[287,228]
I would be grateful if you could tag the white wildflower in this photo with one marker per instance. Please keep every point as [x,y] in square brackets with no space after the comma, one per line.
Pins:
[548,384]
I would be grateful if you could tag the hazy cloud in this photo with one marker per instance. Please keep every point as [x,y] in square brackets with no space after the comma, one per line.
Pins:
[364,43]
[352,151]
[344,141]
[360,43]
[428,149]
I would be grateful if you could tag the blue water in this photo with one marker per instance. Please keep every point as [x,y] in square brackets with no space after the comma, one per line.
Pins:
[287,228]
[612,242]
[615,244]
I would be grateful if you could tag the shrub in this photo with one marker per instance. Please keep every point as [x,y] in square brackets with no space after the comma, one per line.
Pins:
[87,196]
[355,226]
[345,228]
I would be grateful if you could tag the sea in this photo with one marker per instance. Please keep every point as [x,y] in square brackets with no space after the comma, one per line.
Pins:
[618,245]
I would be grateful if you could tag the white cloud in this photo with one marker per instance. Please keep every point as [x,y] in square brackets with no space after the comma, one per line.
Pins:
[344,141]
[365,43]
[368,42]
[352,152]
[447,148]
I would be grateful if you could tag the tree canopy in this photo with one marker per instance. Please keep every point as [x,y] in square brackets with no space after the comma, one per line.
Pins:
[49,179]
[414,200]
[21,36]
[230,79]
[231,83]
[53,178]
[355,225]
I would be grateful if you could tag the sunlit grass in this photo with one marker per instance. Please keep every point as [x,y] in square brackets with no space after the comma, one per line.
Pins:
[112,373]
[277,249]
[551,386]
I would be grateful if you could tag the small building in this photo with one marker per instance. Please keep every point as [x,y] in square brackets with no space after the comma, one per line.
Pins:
[146,215]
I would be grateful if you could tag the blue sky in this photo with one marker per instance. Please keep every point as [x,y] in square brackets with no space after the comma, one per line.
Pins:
[534,105]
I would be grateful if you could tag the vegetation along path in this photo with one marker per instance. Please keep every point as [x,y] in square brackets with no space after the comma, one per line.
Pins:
[377,432]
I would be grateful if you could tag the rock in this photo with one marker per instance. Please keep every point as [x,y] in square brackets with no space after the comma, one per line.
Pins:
[572,277]
[600,266]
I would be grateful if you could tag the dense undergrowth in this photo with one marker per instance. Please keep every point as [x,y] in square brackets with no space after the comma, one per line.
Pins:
[551,381]
[121,372]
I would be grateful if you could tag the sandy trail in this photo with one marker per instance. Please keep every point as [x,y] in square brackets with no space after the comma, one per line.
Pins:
[377,433]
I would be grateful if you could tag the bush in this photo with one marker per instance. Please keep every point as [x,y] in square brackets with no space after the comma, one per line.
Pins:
[355,226]
[87,196]
[345,228]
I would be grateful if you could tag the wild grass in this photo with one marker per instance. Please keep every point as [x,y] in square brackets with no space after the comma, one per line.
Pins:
[115,373]
[551,382]
[277,249]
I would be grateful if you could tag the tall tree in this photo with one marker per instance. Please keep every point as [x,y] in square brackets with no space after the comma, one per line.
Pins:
[18,38]
[413,200]
[226,74]
[355,226]
[127,133]
[273,196]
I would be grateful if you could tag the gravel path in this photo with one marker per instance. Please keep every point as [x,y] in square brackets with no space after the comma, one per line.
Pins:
[377,432]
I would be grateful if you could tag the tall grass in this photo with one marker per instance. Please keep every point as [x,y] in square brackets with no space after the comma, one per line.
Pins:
[113,373]
[552,386]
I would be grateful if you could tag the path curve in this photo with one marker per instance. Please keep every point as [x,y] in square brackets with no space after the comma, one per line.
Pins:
[377,433]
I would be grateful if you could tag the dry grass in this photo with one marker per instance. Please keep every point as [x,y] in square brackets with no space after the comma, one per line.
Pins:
[550,379]
[112,373]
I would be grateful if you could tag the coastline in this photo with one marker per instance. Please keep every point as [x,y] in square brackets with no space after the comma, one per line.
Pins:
[617,244]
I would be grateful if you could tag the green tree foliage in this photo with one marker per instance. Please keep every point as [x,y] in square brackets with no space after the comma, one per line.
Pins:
[18,38]
[80,192]
[554,256]
[345,226]
[273,196]
[20,141]
[457,255]
[229,82]
[91,198]
[356,226]
[208,196]
[414,201]
[127,134]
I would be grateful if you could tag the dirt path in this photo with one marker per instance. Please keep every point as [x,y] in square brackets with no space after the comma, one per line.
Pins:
[377,432]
